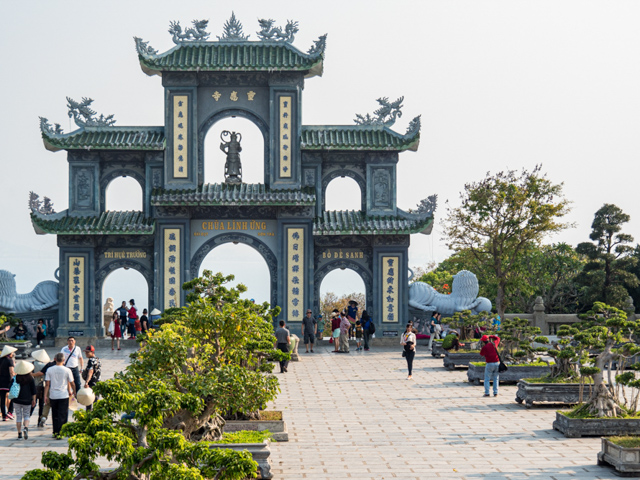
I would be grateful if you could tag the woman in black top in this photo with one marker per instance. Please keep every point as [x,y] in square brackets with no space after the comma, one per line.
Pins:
[27,398]
[6,377]
[144,321]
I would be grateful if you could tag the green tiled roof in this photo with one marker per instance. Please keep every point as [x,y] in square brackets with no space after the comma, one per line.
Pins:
[107,138]
[242,56]
[225,194]
[107,223]
[356,137]
[352,222]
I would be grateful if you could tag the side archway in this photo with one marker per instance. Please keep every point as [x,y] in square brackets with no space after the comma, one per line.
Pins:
[221,115]
[106,179]
[333,174]
[322,272]
[269,257]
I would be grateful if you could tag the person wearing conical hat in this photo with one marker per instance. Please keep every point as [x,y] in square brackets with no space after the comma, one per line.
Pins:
[26,399]
[7,364]
[41,365]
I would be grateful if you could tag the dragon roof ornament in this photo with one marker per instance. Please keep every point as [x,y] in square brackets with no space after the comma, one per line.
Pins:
[413,127]
[45,127]
[198,33]
[84,116]
[44,206]
[269,33]
[385,115]
[427,206]
[144,47]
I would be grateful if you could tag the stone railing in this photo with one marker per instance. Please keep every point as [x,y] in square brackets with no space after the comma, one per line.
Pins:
[549,322]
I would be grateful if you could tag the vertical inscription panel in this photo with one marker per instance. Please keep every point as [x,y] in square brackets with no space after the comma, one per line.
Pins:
[389,272]
[285,136]
[295,273]
[180,136]
[76,268]
[172,284]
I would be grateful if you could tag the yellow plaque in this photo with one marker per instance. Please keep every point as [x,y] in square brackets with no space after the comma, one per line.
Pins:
[172,283]
[285,137]
[390,289]
[180,136]
[76,289]
[295,274]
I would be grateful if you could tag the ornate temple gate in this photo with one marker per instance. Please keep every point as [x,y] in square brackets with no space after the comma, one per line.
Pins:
[183,219]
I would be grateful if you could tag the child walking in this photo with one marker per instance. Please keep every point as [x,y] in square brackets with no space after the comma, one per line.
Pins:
[359,335]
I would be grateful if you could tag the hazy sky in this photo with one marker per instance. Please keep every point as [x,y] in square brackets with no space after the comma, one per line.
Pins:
[499,84]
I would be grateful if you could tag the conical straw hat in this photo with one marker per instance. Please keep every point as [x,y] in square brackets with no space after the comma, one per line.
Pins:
[22,368]
[7,350]
[41,355]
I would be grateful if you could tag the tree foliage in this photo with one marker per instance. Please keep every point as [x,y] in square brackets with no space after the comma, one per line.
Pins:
[330,301]
[7,319]
[500,216]
[208,359]
[610,259]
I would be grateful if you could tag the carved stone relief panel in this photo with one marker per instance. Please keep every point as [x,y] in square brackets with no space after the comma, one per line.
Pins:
[381,188]
[83,186]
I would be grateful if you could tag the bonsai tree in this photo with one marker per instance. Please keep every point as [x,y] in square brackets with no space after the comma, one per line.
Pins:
[517,336]
[567,355]
[466,323]
[7,320]
[208,359]
[600,333]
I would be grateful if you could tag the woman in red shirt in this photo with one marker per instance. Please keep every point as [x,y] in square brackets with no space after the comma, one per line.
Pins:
[490,354]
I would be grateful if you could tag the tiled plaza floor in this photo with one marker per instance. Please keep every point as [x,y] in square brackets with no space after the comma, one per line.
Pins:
[356,416]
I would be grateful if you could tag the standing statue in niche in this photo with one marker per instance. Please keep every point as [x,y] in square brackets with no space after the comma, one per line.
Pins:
[231,146]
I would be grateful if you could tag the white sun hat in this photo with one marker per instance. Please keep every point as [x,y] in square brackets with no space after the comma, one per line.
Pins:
[41,356]
[85,396]
[155,311]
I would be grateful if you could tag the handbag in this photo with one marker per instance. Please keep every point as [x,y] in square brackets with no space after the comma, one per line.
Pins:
[502,367]
[404,353]
[14,391]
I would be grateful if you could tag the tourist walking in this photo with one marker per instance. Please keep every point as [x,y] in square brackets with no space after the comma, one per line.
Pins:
[490,353]
[335,330]
[41,331]
[26,399]
[91,374]
[7,365]
[434,328]
[283,338]
[73,360]
[114,329]
[58,387]
[367,324]
[345,326]
[408,341]
[122,313]
[352,315]
[41,365]
[133,316]
[309,329]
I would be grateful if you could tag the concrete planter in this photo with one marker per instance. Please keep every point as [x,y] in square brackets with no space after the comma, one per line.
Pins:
[460,358]
[438,351]
[475,374]
[278,428]
[260,452]
[24,348]
[566,393]
[595,427]
[625,461]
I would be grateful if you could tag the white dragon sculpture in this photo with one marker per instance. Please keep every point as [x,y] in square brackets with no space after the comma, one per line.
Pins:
[43,296]
[464,296]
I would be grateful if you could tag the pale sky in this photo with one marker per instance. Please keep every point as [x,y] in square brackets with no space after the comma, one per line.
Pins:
[499,84]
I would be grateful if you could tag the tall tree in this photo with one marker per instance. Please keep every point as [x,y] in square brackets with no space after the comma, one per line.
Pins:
[607,272]
[502,214]
[634,292]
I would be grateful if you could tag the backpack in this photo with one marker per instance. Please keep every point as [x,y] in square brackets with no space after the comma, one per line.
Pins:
[372,327]
[14,391]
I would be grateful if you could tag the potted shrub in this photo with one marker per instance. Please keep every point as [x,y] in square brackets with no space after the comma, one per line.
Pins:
[622,453]
[464,323]
[254,442]
[212,357]
[606,409]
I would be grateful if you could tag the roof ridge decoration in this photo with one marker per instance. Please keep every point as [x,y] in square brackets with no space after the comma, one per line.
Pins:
[44,206]
[269,33]
[413,127]
[45,127]
[385,115]
[144,47]
[198,33]
[84,116]
[232,30]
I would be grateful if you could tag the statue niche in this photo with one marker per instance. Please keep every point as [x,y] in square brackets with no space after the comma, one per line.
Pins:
[231,146]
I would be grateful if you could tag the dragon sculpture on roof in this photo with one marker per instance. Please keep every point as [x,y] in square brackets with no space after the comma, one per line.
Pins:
[271,33]
[84,116]
[197,33]
[385,115]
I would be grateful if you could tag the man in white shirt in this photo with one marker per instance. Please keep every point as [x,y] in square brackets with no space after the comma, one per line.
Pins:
[72,360]
[58,386]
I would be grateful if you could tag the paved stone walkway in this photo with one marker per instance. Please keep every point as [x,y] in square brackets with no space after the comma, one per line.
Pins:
[356,416]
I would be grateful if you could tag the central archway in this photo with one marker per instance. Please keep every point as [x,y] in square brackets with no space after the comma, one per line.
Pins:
[260,247]
[322,272]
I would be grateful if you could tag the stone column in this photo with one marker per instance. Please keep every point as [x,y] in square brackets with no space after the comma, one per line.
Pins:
[539,317]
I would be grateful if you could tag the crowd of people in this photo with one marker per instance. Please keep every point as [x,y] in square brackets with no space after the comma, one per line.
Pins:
[126,323]
[54,386]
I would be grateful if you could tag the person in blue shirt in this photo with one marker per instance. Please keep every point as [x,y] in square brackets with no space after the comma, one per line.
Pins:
[352,316]
[497,322]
